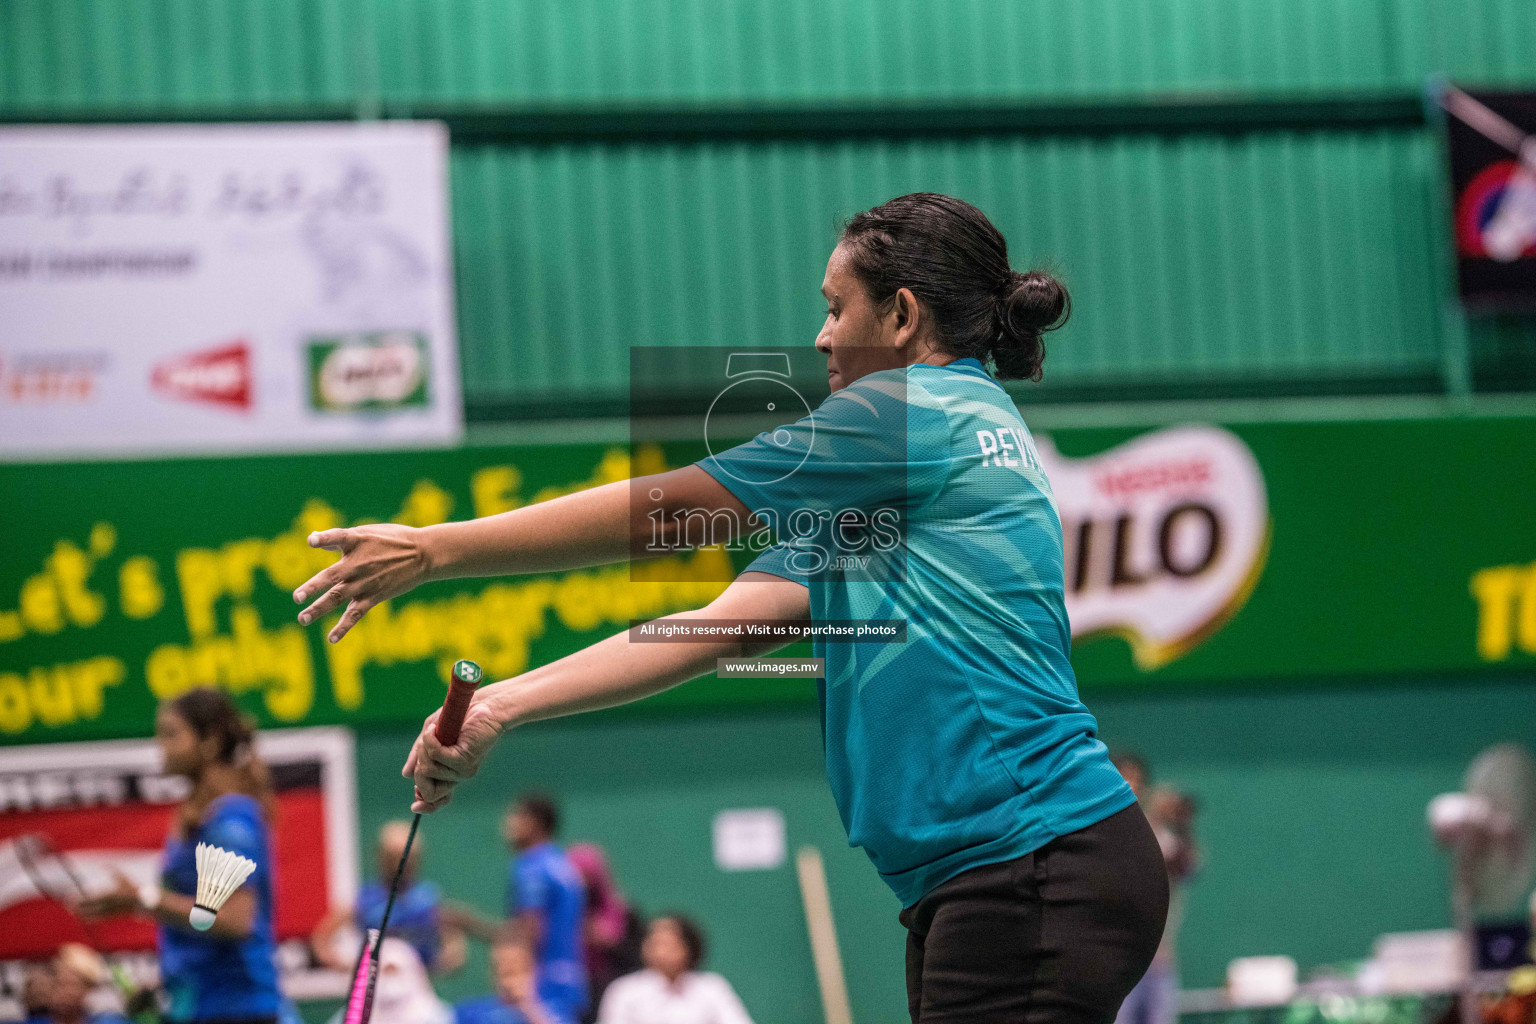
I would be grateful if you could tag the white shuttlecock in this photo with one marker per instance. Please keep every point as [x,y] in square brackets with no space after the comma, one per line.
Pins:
[219,874]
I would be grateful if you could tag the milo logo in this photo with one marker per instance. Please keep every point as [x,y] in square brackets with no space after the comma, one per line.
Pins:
[1165,537]
[372,371]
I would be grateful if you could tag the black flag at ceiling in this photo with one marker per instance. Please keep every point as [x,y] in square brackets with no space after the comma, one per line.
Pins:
[1492,144]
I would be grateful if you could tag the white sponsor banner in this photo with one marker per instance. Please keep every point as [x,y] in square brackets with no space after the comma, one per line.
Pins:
[1165,536]
[204,288]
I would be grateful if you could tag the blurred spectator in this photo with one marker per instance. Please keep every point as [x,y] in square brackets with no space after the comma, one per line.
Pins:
[613,931]
[74,973]
[546,898]
[404,993]
[515,973]
[672,989]
[1155,999]
[420,916]
[36,991]
[1133,769]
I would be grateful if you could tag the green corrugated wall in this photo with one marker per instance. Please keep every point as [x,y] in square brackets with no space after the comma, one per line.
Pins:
[1263,260]
[90,53]
[1275,257]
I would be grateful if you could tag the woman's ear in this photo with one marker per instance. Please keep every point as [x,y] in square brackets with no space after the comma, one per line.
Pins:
[906,317]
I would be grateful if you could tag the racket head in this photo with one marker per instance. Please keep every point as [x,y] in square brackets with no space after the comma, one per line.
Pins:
[49,870]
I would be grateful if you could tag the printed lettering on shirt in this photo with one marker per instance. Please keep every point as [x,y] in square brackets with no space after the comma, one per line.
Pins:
[1005,446]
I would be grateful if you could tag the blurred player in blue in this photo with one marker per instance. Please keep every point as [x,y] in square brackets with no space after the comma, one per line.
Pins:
[421,916]
[518,998]
[961,758]
[546,898]
[226,974]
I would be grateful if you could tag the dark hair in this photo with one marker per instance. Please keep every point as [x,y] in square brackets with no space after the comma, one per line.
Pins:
[211,713]
[692,936]
[542,809]
[956,263]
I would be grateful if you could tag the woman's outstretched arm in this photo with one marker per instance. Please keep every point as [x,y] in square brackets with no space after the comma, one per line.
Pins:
[610,672]
[592,527]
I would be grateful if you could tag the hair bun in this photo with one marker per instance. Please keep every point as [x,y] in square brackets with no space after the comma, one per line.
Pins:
[1028,305]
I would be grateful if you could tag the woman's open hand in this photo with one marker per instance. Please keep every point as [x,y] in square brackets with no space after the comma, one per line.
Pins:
[377,563]
[122,898]
[437,769]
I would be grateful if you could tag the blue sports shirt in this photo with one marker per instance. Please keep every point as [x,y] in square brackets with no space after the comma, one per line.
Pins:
[543,881]
[966,744]
[416,917]
[491,1010]
[206,977]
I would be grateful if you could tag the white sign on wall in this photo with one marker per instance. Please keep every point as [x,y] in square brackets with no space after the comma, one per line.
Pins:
[749,839]
[205,288]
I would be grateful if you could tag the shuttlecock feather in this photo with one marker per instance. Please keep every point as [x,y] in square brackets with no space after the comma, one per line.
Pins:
[219,874]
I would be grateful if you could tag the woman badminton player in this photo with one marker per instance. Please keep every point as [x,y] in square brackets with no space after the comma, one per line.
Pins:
[225,974]
[961,760]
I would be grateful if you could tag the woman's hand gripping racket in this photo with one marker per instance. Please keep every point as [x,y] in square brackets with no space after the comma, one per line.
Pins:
[445,726]
[439,761]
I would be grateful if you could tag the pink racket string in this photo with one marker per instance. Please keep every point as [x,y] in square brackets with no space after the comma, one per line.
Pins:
[358,1002]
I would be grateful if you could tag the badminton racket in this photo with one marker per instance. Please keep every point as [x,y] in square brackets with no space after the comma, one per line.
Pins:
[461,689]
[37,854]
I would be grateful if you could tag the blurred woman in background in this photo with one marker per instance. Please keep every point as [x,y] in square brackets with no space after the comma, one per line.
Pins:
[672,989]
[226,974]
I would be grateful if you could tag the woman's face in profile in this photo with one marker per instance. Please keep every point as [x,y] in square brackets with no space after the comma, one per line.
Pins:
[178,744]
[853,335]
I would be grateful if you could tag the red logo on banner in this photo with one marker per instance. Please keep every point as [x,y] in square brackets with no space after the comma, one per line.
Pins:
[220,375]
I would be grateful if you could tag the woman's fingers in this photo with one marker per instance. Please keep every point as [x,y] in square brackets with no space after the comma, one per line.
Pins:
[444,765]
[320,582]
[331,540]
[436,769]
[417,752]
[431,795]
[355,611]
[379,561]
[328,602]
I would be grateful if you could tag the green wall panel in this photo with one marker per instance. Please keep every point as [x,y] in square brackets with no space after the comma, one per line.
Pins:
[1279,256]
[59,53]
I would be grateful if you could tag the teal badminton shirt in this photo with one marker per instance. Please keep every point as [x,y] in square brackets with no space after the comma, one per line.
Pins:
[966,744]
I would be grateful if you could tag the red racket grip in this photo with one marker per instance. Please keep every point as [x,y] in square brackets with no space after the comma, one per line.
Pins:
[461,690]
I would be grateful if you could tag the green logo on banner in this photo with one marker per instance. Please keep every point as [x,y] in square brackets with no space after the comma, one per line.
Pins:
[368,371]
